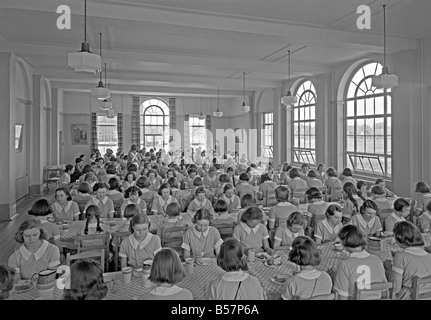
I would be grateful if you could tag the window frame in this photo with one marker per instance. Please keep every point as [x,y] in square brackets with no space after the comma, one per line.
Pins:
[102,146]
[144,108]
[193,144]
[364,156]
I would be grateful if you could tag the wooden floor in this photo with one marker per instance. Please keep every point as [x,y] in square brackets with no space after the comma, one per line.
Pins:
[9,228]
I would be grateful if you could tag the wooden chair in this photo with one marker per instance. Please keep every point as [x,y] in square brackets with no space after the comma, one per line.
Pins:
[298,194]
[104,239]
[173,237]
[386,288]
[329,296]
[87,254]
[225,229]
[335,194]
[116,241]
[383,214]
[270,199]
[417,282]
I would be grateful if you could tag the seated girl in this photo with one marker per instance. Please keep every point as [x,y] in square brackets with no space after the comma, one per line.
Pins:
[279,213]
[412,261]
[210,180]
[82,196]
[86,281]
[402,211]
[183,196]
[267,185]
[313,181]
[141,245]
[64,180]
[129,180]
[230,197]
[200,201]
[244,186]
[65,209]
[333,184]
[347,176]
[147,195]
[92,226]
[327,229]
[236,283]
[361,186]
[295,180]
[288,231]
[34,253]
[308,282]
[378,195]
[133,196]
[222,215]
[368,221]
[316,208]
[247,200]
[424,196]
[251,233]
[174,220]
[129,212]
[346,276]
[164,198]
[166,272]
[223,180]
[105,204]
[154,180]
[203,240]
[381,182]
[353,201]
[7,276]
[115,193]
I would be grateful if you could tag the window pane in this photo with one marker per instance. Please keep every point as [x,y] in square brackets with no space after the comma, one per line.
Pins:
[389,144]
[389,126]
[350,108]
[360,108]
[301,128]
[351,127]
[376,165]
[312,113]
[369,127]
[295,114]
[313,142]
[350,143]
[360,143]
[379,126]
[301,141]
[295,141]
[380,146]
[312,128]
[380,105]
[389,166]
[389,104]
[295,129]
[301,113]
[306,113]
[307,142]
[369,144]
[369,106]
[351,91]
[360,127]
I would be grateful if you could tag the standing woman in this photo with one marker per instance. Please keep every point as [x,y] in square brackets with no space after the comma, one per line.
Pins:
[65,208]
[35,253]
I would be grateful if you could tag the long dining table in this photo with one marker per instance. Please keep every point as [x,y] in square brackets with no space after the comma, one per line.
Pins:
[197,282]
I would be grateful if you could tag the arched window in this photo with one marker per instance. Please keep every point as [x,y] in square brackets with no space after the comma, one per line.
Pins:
[304,124]
[154,120]
[368,118]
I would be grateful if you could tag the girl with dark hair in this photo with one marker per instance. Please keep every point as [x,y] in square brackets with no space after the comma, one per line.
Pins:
[92,226]
[368,221]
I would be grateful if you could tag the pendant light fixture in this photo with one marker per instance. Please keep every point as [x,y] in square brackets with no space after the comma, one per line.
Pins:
[218,113]
[201,116]
[106,104]
[244,108]
[100,92]
[110,114]
[385,80]
[288,100]
[85,61]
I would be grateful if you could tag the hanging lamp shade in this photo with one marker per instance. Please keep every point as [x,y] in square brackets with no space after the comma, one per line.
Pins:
[105,105]
[218,113]
[385,80]
[110,113]
[84,60]
[288,100]
[244,108]
[100,92]
[201,116]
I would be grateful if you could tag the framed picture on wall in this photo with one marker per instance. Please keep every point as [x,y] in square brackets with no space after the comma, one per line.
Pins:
[19,130]
[80,134]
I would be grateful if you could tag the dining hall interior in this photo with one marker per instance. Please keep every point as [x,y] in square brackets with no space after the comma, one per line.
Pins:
[342,83]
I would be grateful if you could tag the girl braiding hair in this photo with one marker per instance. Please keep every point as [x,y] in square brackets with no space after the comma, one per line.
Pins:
[92,211]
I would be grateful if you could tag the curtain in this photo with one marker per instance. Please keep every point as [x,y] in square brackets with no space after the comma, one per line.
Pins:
[209,139]
[135,122]
[94,144]
[172,114]
[186,140]
[120,130]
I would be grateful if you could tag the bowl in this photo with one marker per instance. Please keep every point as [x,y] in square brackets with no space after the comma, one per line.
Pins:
[338,247]
[112,223]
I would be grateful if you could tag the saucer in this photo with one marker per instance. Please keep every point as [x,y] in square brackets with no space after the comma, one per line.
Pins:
[279,279]
[272,265]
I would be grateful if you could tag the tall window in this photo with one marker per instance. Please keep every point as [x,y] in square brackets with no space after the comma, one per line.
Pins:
[268,134]
[154,120]
[368,124]
[304,124]
[107,135]
[197,133]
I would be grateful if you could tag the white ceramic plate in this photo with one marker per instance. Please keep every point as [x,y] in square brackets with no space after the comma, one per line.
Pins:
[22,286]
[273,265]
[279,279]
[263,256]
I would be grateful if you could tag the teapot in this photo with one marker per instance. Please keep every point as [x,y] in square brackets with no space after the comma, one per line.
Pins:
[50,277]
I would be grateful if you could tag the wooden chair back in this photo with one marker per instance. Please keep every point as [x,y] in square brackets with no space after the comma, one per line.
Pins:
[225,229]
[336,194]
[383,214]
[87,255]
[386,288]
[173,237]
[417,283]
[104,239]
[298,194]
[270,198]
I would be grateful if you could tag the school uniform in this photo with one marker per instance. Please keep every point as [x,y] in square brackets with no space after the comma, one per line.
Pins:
[202,242]
[307,284]
[425,222]
[284,178]
[349,208]
[232,202]
[267,186]
[142,205]
[147,196]
[297,183]
[51,229]
[314,183]
[413,261]
[325,232]
[160,205]
[391,220]
[347,274]
[168,293]
[195,205]
[210,182]
[154,184]
[251,238]
[138,252]
[126,185]
[222,219]
[422,201]
[332,182]
[244,188]
[322,176]
[92,229]
[317,208]
[171,223]
[106,206]
[64,179]
[280,212]
[67,213]
[47,256]
[383,203]
[235,285]
[368,228]
[285,236]
[349,179]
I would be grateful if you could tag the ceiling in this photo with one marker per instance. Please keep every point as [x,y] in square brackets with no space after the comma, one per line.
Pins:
[190,47]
